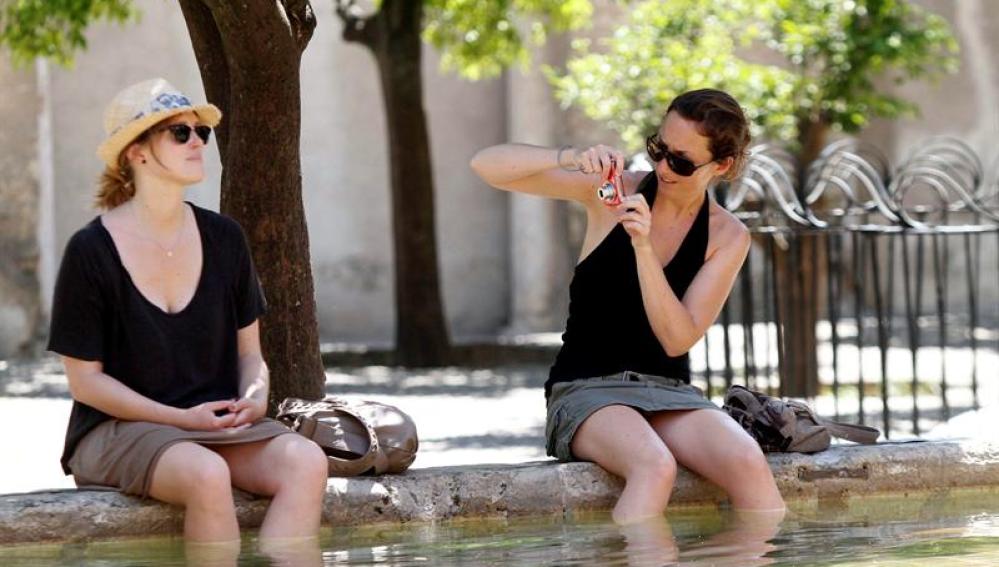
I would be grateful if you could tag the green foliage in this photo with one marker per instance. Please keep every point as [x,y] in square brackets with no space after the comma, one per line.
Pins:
[478,39]
[55,28]
[832,53]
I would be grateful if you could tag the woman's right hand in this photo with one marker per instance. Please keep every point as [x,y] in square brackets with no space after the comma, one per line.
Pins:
[564,173]
[202,416]
[598,159]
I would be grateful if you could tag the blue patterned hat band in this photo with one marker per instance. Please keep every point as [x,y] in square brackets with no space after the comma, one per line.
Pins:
[139,107]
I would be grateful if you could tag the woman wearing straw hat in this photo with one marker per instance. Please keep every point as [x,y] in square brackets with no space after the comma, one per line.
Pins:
[155,316]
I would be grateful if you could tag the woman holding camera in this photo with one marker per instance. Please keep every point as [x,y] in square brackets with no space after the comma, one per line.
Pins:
[156,317]
[658,262]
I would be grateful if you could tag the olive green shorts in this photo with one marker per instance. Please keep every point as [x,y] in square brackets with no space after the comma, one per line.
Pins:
[571,403]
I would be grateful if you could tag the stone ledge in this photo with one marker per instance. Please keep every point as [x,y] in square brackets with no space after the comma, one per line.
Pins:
[536,488]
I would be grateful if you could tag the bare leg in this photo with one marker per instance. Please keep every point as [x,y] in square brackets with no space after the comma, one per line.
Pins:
[196,478]
[713,445]
[620,440]
[292,470]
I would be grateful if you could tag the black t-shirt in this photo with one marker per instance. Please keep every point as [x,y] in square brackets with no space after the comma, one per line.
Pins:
[180,359]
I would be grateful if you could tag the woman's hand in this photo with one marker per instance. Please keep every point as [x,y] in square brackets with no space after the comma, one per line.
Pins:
[598,159]
[634,214]
[202,417]
[248,410]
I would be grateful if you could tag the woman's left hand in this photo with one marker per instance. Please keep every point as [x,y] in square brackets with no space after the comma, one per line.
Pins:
[248,410]
[634,214]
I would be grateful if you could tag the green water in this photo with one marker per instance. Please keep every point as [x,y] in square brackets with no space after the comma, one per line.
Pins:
[941,530]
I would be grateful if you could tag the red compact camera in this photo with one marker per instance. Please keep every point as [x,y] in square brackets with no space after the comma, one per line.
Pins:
[612,189]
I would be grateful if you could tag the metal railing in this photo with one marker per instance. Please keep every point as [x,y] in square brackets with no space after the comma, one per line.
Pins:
[879,269]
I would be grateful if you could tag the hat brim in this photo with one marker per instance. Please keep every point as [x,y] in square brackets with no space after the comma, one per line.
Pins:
[109,149]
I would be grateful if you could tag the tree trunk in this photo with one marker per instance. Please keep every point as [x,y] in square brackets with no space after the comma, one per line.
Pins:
[393,36]
[249,58]
[22,328]
[800,271]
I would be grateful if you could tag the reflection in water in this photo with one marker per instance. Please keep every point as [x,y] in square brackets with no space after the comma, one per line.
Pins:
[649,543]
[942,530]
[216,554]
[292,551]
[743,541]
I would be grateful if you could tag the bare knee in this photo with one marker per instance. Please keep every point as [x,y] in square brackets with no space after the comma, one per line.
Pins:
[749,480]
[307,466]
[654,464]
[748,461]
[206,478]
[188,474]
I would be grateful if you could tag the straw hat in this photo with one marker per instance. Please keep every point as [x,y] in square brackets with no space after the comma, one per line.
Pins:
[139,107]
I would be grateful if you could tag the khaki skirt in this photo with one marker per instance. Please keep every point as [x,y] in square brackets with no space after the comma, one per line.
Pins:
[571,403]
[123,454]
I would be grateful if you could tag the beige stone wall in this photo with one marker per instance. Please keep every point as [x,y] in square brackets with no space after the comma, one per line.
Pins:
[346,183]
[345,168]
[20,305]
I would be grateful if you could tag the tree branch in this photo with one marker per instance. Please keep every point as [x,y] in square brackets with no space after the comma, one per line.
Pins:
[302,20]
[357,27]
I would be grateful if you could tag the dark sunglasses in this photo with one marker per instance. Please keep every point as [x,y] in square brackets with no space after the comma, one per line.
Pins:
[182,132]
[680,165]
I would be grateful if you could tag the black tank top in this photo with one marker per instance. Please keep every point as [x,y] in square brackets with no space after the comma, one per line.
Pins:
[607,330]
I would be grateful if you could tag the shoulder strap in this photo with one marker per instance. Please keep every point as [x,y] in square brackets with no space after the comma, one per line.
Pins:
[647,187]
[349,441]
[851,432]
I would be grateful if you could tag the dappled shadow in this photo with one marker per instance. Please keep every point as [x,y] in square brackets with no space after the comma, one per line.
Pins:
[45,378]
[489,441]
[385,380]
[37,378]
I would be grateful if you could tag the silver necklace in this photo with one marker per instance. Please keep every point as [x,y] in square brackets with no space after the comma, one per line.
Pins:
[168,250]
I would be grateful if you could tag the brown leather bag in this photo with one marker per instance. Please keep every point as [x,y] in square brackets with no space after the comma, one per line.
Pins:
[358,437]
[787,425]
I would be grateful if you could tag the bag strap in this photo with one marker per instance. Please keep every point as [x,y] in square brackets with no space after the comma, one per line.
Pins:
[851,432]
[307,416]
[339,436]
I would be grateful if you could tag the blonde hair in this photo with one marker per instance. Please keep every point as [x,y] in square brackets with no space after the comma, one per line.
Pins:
[117,185]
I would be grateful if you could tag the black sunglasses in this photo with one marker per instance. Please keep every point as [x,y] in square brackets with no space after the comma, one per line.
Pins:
[680,165]
[182,132]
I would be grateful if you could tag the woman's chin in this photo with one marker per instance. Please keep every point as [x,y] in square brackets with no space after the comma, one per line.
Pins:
[192,177]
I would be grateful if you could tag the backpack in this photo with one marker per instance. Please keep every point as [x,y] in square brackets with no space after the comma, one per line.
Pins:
[358,437]
[787,425]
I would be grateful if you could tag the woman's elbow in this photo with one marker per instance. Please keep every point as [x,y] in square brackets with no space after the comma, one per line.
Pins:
[675,348]
[676,351]
[477,163]
[79,386]
[481,166]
